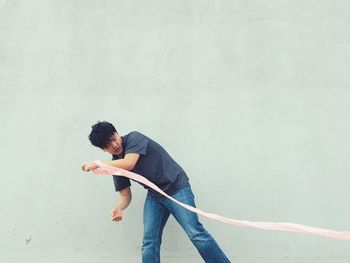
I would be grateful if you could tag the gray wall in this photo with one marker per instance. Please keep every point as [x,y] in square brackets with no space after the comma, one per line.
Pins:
[250,97]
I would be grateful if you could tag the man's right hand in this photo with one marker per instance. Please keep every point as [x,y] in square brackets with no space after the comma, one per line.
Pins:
[116,214]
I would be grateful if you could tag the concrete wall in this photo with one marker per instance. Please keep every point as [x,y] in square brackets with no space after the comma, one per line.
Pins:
[250,97]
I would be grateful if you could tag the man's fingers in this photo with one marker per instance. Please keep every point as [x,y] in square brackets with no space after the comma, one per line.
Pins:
[117,219]
[116,215]
[84,167]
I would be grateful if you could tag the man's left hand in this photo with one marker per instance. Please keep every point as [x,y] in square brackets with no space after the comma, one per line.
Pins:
[87,167]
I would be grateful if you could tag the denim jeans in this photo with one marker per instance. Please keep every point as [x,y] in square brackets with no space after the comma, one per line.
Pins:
[155,216]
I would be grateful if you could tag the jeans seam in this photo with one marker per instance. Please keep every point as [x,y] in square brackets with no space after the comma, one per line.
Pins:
[159,227]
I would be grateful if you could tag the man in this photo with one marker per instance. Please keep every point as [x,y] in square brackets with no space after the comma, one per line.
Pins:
[138,153]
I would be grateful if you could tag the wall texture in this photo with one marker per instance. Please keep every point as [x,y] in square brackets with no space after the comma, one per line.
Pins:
[250,97]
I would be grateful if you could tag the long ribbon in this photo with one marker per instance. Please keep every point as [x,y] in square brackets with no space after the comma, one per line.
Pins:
[290,227]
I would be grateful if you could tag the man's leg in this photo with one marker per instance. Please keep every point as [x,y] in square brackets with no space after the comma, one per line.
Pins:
[203,241]
[155,215]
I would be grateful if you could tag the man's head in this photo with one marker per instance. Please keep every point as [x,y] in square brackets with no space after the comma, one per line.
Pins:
[105,136]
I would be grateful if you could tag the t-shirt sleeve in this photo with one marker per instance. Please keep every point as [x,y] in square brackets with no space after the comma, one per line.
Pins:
[137,143]
[120,182]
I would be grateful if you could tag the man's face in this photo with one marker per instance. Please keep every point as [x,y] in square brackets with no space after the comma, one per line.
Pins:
[115,146]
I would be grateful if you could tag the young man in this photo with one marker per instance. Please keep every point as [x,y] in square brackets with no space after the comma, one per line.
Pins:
[140,154]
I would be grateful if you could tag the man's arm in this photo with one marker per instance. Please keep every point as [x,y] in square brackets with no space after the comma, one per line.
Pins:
[127,163]
[123,203]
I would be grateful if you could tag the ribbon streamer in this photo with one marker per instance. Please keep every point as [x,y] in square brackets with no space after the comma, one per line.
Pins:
[106,169]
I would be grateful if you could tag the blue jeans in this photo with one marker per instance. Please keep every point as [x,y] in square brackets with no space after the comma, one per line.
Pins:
[155,216]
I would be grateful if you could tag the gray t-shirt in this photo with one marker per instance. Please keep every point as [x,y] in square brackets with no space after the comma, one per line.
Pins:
[154,163]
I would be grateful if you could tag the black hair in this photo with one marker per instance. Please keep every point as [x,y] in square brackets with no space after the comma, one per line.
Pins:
[101,134]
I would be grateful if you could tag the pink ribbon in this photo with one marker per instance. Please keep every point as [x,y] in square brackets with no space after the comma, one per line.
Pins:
[290,227]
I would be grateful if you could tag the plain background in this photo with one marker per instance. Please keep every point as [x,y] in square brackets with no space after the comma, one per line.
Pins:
[250,97]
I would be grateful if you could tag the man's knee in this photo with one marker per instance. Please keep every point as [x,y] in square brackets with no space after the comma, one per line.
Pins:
[150,241]
[196,232]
